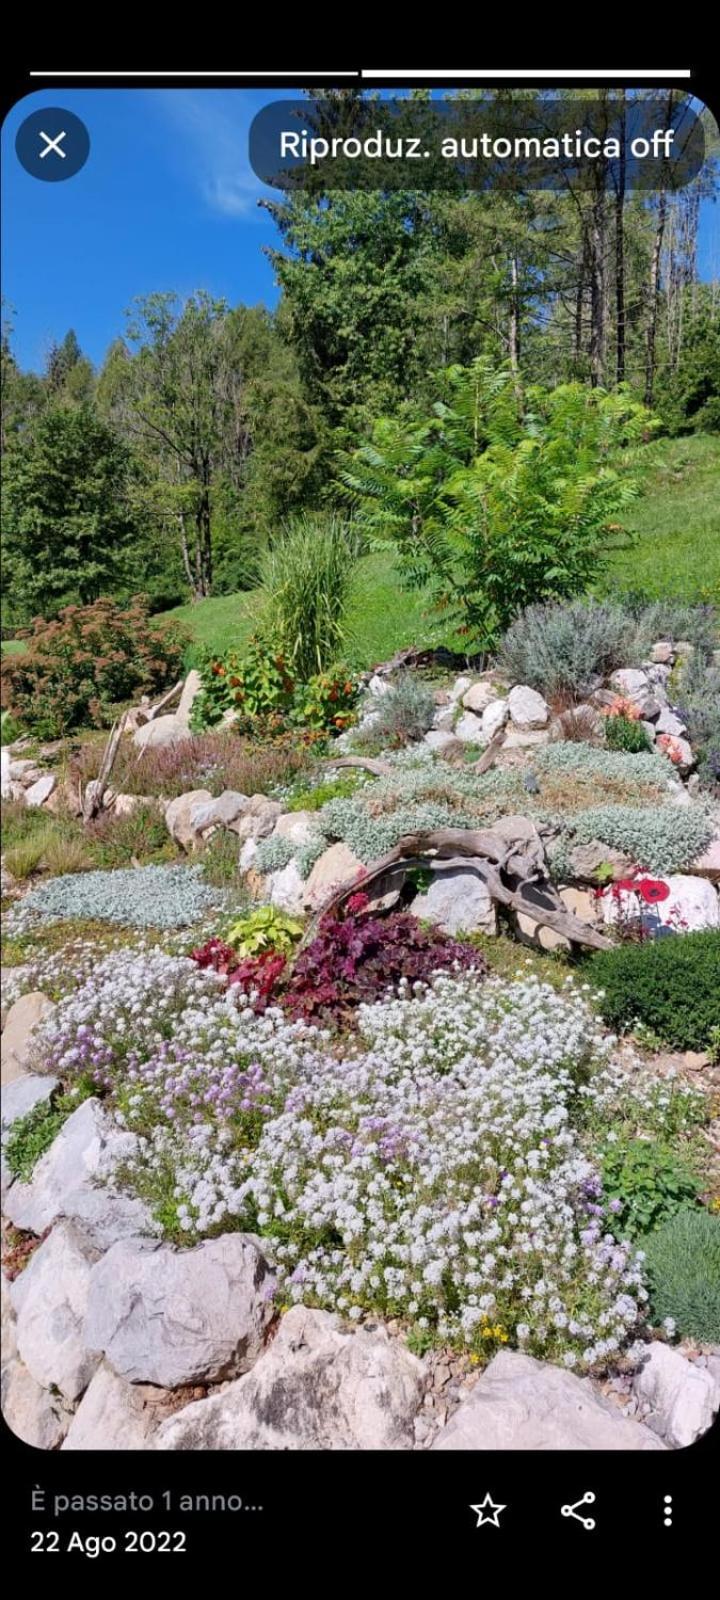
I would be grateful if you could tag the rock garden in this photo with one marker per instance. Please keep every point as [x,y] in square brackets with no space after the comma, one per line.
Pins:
[361,1043]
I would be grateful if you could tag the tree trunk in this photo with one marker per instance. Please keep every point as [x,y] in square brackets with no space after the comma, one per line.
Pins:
[514,322]
[620,252]
[654,295]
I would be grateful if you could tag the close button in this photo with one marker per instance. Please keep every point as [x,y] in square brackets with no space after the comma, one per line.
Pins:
[52,144]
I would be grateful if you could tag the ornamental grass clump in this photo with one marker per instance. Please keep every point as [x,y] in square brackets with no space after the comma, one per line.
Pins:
[142,897]
[439,1169]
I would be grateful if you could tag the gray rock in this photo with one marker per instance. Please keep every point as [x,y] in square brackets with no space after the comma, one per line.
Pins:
[630,684]
[50,1297]
[41,790]
[691,907]
[440,738]
[469,729]
[33,1414]
[528,710]
[160,731]
[523,1404]
[85,1150]
[662,653]
[286,889]
[319,1387]
[667,722]
[112,1415]
[478,697]
[459,688]
[8,1347]
[220,813]
[335,866]
[169,1316]
[518,739]
[297,826]
[682,754]
[457,901]
[258,819]
[494,718]
[247,855]
[104,1214]
[180,816]
[683,1397]
[123,805]
[585,859]
[17,1035]
[22,1095]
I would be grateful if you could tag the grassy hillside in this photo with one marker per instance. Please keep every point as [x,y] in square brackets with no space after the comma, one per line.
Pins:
[673,550]
[675,525]
[382,616]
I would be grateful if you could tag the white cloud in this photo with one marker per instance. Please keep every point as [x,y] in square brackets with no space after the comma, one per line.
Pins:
[210,144]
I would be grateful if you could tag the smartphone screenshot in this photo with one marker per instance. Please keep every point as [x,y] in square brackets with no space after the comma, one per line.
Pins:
[361,809]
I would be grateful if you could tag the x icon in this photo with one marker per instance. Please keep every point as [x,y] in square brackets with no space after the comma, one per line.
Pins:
[52,144]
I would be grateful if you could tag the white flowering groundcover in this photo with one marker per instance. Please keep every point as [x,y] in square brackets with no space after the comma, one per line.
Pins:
[440,1167]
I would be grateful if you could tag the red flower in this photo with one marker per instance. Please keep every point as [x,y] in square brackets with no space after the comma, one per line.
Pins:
[653,890]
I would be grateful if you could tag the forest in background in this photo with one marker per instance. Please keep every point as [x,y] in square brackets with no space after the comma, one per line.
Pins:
[175,464]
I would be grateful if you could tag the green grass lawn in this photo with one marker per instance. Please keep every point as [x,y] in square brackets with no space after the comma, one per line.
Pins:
[674,550]
[675,524]
[383,617]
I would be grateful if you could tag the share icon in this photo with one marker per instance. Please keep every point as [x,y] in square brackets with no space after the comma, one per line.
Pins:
[572,1511]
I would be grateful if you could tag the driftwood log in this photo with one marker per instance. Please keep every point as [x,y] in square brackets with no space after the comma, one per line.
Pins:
[506,867]
[382,769]
[167,699]
[92,800]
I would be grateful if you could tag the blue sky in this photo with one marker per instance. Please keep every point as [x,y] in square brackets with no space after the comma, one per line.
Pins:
[166,200]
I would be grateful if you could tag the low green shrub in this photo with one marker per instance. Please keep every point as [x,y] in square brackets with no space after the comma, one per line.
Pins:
[263,930]
[141,835]
[257,682]
[644,1183]
[682,1263]
[670,985]
[313,799]
[33,1134]
[260,688]
[622,733]
[78,668]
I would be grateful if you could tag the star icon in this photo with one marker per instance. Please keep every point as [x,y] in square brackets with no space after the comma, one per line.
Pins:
[488,1511]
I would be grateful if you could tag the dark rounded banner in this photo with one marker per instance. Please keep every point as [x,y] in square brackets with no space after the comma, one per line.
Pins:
[481,140]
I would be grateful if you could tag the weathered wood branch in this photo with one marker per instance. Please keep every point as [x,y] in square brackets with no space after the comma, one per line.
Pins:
[92,799]
[487,854]
[167,699]
[378,768]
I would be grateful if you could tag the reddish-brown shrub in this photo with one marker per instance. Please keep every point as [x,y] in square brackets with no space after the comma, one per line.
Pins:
[78,668]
